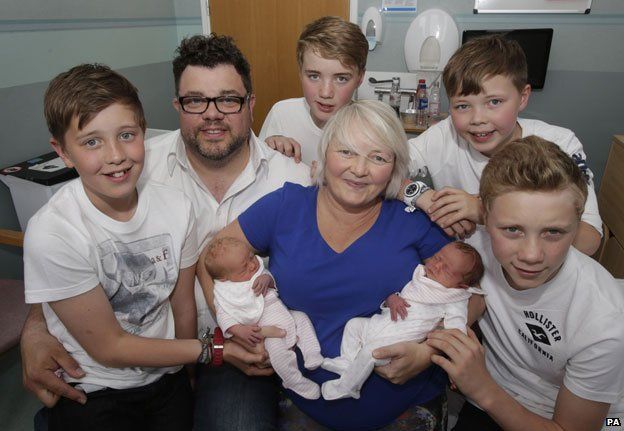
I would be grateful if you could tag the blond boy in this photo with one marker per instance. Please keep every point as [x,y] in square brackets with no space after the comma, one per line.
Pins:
[486,80]
[113,265]
[331,54]
[553,342]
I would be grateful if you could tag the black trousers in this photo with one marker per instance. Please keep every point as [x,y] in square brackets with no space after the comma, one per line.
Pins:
[472,418]
[166,404]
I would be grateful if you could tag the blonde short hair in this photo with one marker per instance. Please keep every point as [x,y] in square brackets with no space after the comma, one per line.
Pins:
[378,122]
[532,164]
[334,38]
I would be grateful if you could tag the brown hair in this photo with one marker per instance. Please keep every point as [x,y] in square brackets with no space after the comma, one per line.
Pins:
[481,58]
[216,249]
[84,91]
[334,38]
[210,52]
[531,164]
[476,272]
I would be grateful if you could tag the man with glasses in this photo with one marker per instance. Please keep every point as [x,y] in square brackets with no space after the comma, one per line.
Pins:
[218,162]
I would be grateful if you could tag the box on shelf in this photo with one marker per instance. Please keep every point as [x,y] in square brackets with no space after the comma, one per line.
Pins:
[33,182]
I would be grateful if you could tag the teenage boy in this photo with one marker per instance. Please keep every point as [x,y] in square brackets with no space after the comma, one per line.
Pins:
[486,80]
[552,331]
[113,265]
[216,160]
[331,54]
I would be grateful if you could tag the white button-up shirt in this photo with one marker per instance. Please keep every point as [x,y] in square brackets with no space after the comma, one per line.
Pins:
[267,170]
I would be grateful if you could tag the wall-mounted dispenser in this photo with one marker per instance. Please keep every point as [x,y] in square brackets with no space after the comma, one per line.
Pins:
[430,41]
[372,27]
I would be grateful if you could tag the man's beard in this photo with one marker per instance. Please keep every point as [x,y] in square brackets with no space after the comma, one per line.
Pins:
[215,152]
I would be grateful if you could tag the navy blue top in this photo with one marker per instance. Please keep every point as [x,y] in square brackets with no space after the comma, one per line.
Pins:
[332,288]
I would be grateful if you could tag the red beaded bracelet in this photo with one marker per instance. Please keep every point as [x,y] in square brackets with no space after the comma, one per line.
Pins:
[217,347]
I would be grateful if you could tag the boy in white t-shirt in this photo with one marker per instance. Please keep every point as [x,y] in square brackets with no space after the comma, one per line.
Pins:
[486,80]
[114,266]
[331,54]
[553,333]
[245,299]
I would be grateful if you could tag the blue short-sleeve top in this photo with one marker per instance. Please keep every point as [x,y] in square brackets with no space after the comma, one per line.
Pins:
[332,288]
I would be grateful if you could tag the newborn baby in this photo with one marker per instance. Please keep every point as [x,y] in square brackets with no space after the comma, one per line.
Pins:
[245,298]
[439,290]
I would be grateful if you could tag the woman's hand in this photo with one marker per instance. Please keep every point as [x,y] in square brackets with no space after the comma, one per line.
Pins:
[407,359]
[464,361]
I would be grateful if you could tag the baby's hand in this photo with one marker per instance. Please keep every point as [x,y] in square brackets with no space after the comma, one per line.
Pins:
[397,305]
[287,146]
[262,284]
[248,334]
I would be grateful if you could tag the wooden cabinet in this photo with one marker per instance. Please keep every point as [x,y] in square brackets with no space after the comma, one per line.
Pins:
[611,205]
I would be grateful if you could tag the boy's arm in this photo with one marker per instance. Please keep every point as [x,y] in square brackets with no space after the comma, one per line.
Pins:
[451,205]
[587,239]
[453,224]
[183,305]
[465,365]
[90,319]
[42,355]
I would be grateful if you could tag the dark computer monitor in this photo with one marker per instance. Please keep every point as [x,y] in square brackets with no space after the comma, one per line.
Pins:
[536,45]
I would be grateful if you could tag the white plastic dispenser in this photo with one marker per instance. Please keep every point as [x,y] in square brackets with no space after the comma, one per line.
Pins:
[430,41]
[372,27]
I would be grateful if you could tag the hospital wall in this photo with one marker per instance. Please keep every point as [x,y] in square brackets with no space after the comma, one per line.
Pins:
[39,39]
[584,85]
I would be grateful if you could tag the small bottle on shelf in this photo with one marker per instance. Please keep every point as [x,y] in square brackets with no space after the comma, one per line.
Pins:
[434,104]
[422,104]
[395,95]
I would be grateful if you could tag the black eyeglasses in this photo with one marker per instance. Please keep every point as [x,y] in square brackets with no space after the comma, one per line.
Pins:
[224,104]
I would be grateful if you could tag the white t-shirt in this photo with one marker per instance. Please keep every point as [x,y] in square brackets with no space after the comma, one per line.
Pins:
[568,331]
[291,118]
[452,162]
[71,247]
[166,162]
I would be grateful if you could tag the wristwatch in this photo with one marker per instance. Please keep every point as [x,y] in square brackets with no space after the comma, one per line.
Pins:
[412,192]
[217,347]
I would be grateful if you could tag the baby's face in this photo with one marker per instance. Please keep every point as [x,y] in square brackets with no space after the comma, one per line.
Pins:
[241,263]
[448,266]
